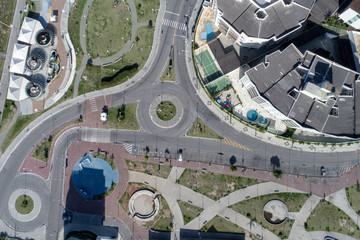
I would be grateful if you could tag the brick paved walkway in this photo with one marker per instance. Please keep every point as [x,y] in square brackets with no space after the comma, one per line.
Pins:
[60,48]
[109,206]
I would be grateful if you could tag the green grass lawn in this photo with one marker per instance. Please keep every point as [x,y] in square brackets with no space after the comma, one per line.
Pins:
[129,122]
[121,71]
[166,111]
[2,61]
[327,217]
[42,152]
[213,185]
[147,10]
[353,196]
[8,113]
[189,211]
[15,129]
[252,208]
[163,220]
[109,28]
[219,224]
[24,204]
[149,168]
[168,75]
[199,129]
[74,31]
[6,14]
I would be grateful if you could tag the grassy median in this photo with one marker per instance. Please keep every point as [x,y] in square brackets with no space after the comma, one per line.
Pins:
[199,129]
[127,121]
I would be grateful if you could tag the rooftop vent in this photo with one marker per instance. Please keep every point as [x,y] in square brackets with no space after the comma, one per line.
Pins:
[288,2]
[261,14]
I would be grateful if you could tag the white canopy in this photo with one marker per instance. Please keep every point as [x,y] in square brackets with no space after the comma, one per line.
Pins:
[27,30]
[17,88]
[18,59]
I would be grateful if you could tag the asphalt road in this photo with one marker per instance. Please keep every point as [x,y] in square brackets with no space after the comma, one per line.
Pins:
[259,155]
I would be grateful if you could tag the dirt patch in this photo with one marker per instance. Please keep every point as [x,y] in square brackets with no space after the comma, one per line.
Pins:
[206,16]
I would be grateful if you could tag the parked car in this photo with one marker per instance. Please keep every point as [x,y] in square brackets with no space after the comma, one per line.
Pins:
[323,171]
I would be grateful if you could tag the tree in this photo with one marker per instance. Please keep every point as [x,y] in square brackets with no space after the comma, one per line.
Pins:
[277,173]
[150,24]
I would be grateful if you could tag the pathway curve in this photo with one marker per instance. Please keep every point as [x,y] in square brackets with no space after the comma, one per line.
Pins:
[172,192]
[340,200]
[108,60]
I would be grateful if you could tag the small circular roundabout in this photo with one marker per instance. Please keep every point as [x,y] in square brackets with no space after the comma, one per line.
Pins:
[275,212]
[94,178]
[144,205]
[166,111]
[24,205]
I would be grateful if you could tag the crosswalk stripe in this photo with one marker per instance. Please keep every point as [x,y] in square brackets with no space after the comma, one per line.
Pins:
[174,24]
[128,147]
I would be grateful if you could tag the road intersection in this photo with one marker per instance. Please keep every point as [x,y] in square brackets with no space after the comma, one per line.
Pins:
[257,152]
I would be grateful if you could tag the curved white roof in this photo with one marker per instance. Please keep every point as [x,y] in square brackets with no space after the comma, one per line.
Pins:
[27,30]
[16,90]
[18,59]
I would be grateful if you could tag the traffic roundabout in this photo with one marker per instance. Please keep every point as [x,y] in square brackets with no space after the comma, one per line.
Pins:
[166,111]
[20,202]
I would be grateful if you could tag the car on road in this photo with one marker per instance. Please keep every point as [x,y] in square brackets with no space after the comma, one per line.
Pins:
[323,171]
[67,217]
[180,151]
[330,238]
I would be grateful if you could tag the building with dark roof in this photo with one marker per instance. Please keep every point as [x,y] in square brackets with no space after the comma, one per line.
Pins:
[227,58]
[307,91]
[252,23]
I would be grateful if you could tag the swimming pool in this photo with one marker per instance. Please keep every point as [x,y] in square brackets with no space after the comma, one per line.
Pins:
[252,115]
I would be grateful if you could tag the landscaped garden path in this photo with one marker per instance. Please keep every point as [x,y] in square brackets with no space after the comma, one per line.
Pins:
[172,192]
[107,60]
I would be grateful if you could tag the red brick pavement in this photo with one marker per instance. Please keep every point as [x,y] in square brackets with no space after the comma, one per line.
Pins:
[110,206]
[60,48]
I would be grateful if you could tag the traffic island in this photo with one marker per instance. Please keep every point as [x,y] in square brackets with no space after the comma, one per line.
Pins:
[24,205]
[166,111]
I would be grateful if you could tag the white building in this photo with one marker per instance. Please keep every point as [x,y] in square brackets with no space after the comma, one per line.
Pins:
[253,23]
[351,17]
[18,59]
